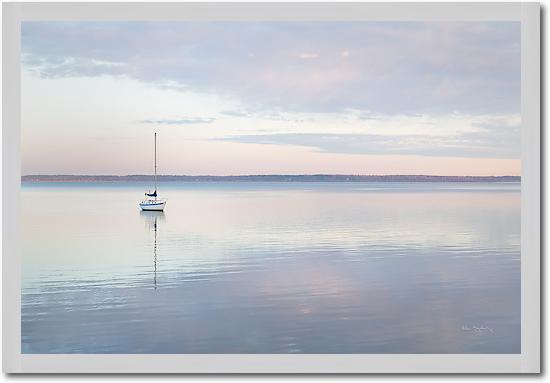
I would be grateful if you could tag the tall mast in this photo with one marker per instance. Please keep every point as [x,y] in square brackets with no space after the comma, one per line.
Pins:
[155,162]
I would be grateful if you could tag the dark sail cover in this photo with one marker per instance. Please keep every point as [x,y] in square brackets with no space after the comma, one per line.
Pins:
[154,194]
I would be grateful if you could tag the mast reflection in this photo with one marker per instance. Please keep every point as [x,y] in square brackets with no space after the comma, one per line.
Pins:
[152,218]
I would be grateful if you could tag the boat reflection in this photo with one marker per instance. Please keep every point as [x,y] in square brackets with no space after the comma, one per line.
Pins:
[152,218]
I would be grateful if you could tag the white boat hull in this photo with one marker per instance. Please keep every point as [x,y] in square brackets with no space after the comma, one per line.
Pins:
[153,205]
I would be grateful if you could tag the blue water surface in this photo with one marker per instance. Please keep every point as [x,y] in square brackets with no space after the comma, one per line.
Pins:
[271,267]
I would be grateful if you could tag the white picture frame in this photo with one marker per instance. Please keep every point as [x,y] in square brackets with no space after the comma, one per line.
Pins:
[526,362]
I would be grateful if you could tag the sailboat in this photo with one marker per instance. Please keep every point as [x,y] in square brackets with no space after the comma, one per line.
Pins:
[152,202]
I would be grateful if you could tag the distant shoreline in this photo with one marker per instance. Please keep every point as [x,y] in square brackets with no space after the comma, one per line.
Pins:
[270,178]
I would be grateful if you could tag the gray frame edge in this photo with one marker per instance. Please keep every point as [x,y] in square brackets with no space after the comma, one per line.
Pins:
[11,171]
[527,362]
[530,188]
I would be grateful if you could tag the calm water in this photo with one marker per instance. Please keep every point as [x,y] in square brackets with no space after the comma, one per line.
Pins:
[272,268]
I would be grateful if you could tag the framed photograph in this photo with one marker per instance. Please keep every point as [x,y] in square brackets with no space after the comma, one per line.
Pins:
[271,187]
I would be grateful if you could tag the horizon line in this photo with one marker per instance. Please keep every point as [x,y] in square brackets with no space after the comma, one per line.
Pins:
[271,175]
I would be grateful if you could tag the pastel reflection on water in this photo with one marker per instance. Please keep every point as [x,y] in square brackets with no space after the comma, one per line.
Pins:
[272,268]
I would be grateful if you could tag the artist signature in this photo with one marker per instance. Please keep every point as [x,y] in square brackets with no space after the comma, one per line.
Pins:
[478,329]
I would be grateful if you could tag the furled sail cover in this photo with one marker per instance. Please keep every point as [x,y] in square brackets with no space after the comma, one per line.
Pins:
[154,194]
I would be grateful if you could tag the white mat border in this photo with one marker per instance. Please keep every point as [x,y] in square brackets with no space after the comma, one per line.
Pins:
[528,361]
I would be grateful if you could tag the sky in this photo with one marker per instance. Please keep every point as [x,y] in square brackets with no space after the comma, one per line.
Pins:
[231,98]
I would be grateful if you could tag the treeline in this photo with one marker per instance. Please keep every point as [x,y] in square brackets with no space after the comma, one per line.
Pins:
[270,178]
